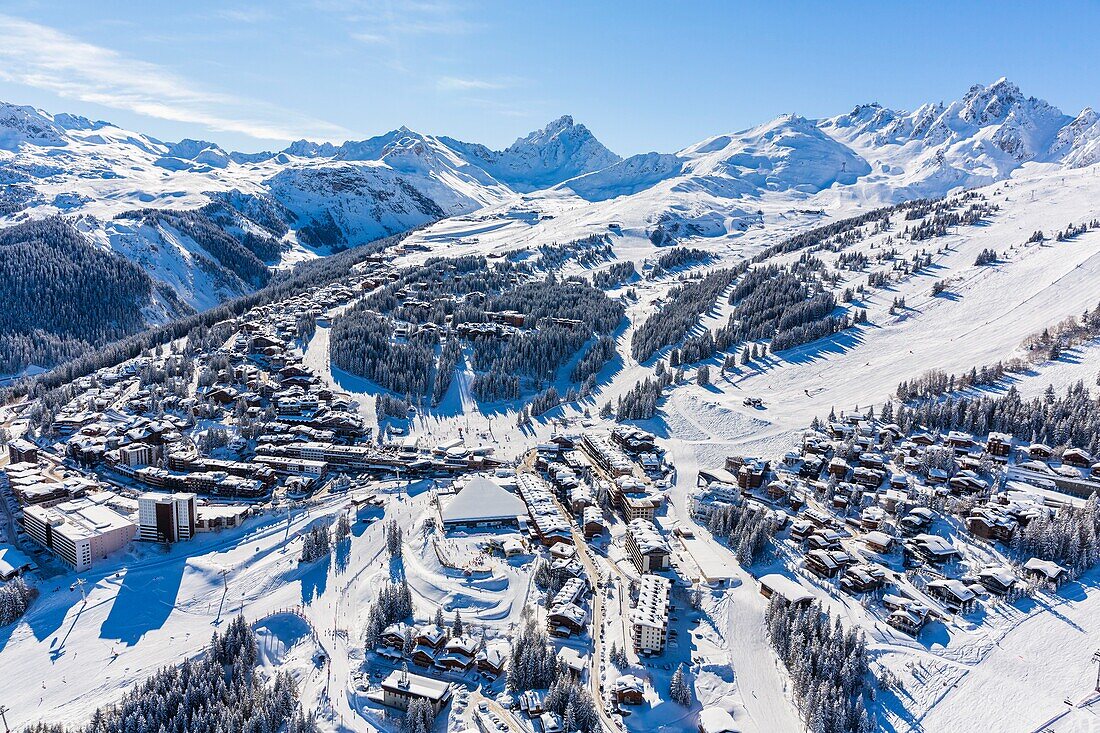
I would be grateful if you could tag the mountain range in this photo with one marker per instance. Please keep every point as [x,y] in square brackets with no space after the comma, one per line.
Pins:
[251,213]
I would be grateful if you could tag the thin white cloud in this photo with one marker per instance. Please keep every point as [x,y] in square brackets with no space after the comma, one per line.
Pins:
[456,84]
[246,14]
[44,58]
[385,21]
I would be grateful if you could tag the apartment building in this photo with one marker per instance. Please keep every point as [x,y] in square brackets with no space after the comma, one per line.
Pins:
[647,547]
[649,617]
[166,517]
[80,532]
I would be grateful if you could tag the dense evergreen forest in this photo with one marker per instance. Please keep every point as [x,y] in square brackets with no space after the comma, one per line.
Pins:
[61,296]
[546,321]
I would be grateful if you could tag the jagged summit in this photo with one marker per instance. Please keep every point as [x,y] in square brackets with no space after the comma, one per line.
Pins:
[358,190]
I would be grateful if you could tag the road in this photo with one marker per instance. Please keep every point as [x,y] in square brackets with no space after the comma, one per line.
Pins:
[584,554]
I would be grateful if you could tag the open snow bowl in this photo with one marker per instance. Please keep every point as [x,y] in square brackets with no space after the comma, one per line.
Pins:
[277,635]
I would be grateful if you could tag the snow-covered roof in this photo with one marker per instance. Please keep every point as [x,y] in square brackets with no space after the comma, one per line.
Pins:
[1050,569]
[414,684]
[647,537]
[789,589]
[482,500]
[12,561]
[628,682]
[716,720]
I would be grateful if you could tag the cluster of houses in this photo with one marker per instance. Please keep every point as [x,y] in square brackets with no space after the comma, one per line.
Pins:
[432,646]
[856,499]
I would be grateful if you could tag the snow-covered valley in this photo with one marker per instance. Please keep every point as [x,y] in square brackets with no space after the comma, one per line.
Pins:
[744,345]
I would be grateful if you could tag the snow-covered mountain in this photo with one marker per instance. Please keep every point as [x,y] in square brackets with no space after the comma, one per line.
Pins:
[559,151]
[317,197]
[327,197]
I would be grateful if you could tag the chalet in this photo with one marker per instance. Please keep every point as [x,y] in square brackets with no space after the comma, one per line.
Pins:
[633,439]
[424,656]
[810,467]
[871,518]
[592,523]
[1077,457]
[491,659]
[997,580]
[966,482]
[801,529]
[1046,570]
[899,482]
[819,518]
[891,429]
[863,578]
[906,615]
[572,662]
[922,514]
[924,439]
[1039,451]
[825,563]
[1025,511]
[814,444]
[550,722]
[932,548]
[892,499]
[394,635]
[878,542]
[531,702]
[937,476]
[960,442]
[825,539]
[778,490]
[951,591]
[839,430]
[867,476]
[628,690]
[431,636]
[458,653]
[999,445]
[874,461]
[838,467]
[991,523]
[566,619]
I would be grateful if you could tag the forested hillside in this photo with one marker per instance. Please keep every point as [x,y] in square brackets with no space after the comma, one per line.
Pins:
[61,296]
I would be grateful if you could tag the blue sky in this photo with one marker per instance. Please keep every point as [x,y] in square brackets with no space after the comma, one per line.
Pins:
[642,75]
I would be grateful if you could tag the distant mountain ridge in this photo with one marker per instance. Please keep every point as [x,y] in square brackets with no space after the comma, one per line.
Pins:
[249,211]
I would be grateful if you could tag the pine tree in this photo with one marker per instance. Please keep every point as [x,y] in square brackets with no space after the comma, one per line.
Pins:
[679,691]
[342,528]
[457,629]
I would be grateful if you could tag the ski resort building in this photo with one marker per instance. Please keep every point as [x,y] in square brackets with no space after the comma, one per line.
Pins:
[649,618]
[647,547]
[79,531]
[634,499]
[401,688]
[22,451]
[606,455]
[482,503]
[166,517]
